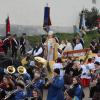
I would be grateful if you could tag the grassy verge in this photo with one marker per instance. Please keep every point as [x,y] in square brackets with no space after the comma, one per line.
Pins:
[66,36]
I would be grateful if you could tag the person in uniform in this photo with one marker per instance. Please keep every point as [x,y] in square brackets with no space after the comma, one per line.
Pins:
[7,43]
[14,44]
[20,92]
[38,51]
[22,44]
[55,91]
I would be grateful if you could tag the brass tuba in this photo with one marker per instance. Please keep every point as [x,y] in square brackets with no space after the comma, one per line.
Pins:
[21,70]
[40,60]
[11,69]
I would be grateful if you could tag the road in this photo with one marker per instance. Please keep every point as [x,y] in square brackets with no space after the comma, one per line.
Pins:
[86,91]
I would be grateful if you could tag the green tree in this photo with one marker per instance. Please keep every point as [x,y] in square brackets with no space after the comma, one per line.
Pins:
[91,17]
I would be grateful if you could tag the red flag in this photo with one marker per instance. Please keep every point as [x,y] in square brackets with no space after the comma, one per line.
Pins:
[7,25]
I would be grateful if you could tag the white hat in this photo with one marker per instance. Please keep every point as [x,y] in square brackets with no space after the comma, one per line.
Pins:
[50,33]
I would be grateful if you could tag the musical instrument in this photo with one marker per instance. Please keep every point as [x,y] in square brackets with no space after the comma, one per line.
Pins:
[24,61]
[40,60]
[10,69]
[21,70]
[30,83]
[9,94]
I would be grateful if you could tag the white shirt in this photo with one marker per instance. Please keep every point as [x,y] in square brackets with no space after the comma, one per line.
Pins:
[97,59]
[61,46]
[78,47]
[59,66]
[89,67]
[68,47]
[84,70]
[40,50]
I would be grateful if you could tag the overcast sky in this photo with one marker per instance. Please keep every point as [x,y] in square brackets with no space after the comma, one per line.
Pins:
[30,12]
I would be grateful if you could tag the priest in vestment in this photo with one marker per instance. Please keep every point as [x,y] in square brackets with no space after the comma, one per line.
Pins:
[51,49]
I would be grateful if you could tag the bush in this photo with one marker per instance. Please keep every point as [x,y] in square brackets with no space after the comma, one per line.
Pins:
[91,17]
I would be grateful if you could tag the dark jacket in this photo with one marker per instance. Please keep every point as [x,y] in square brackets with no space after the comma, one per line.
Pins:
[78,91]
[55,91]
[97,91]
[14,43]
[76,72]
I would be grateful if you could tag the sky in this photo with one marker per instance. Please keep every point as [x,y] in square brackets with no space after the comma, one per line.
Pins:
[31,12]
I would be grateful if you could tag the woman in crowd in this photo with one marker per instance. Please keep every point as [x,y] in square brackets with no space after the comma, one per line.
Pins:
[6,85]
[77,88]
[37,83]
[36,94]
[19,93]
[70,95]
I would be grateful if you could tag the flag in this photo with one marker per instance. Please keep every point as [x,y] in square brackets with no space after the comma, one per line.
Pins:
[82,24]
[7,25]
[47,21]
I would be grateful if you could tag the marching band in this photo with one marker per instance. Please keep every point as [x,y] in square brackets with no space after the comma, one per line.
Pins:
[44,67]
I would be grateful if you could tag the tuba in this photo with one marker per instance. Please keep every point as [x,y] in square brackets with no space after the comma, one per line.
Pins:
[40,60]
[11,69]
[21,70]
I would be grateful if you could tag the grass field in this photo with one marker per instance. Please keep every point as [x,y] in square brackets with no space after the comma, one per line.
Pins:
[66,36]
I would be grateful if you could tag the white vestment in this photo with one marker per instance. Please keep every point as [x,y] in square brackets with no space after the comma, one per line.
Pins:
[78,47]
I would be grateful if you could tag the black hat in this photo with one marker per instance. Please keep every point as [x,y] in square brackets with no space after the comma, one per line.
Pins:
[56,70]
[23,33]
[97,63]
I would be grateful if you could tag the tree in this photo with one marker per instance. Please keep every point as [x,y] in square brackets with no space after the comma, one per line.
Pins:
[91,17]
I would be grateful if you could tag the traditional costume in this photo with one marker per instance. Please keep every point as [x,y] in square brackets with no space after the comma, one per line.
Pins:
[89,68]
[6,44]
[22,45]
[83,76]
[14,45]
[39,51]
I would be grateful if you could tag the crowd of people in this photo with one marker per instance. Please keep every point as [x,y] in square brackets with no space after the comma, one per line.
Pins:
[26,75]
